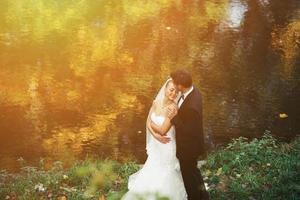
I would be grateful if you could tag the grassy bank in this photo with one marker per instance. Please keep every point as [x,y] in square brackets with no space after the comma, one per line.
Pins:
[258,169]
[88,179]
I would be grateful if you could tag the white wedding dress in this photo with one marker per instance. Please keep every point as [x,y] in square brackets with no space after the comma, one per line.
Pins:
[161,172]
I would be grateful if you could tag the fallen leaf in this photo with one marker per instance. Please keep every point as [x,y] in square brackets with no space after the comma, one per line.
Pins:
[283,115]
[207,172]
[101,197]
[62,198]
[219,171]
[49,195]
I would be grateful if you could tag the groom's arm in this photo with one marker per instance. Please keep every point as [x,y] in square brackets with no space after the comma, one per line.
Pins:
[191,117]
[192,127]
[190,123]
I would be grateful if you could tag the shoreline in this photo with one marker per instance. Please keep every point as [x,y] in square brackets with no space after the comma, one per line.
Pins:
[258,169]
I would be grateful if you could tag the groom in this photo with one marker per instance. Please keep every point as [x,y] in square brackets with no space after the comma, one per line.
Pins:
[189,133]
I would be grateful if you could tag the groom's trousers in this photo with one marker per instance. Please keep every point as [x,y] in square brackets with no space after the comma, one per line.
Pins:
[193,180]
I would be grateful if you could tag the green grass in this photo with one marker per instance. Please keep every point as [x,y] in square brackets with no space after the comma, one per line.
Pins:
[88,179]
[257,169]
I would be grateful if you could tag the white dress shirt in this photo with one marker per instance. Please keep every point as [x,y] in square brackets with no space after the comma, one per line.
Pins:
[184,96]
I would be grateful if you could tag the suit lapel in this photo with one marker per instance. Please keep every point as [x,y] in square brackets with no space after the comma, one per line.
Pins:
[187,99]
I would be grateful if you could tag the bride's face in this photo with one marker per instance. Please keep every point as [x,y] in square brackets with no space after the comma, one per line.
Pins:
[171,92]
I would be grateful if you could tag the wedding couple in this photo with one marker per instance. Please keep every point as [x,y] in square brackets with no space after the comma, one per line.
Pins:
[171,167]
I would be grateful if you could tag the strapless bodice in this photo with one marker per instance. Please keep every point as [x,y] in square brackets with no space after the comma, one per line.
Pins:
[157,119]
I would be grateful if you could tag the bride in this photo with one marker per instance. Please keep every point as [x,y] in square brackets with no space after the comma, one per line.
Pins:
[160,176]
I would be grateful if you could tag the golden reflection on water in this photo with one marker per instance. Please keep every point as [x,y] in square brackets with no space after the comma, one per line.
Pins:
[287,40]
[78,77]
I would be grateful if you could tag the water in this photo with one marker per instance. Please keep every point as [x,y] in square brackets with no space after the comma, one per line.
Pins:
[77,78]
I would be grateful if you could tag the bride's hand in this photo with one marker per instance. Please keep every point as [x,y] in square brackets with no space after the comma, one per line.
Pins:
[162,139]
[172,112]
[171,108]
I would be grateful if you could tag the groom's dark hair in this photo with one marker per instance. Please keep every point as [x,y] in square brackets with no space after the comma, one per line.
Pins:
[182,77]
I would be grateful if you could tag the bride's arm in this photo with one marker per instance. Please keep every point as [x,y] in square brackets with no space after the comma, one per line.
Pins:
[153,132]
[157,136]
[162,129]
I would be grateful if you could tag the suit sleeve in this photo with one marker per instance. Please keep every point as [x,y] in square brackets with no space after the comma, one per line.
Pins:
[191,122]
[191,126]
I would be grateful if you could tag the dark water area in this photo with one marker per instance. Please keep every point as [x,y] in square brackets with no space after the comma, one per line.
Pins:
[77,78]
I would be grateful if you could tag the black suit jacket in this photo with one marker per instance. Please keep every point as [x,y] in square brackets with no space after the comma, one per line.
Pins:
[189,127]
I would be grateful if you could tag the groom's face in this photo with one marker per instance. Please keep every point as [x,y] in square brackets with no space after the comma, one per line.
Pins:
[178,87]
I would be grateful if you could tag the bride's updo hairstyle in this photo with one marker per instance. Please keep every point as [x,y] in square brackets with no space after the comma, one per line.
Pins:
[182,77]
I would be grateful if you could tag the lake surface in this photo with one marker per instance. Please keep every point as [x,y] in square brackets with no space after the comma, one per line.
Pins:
[77,78]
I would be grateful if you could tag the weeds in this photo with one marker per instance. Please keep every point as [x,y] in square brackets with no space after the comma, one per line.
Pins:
[257,169]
